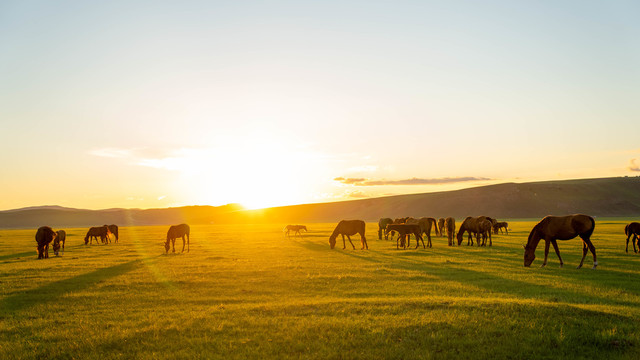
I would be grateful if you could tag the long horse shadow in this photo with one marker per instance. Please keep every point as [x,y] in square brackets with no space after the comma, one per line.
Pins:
[33,253]
[418,261]
[54,290]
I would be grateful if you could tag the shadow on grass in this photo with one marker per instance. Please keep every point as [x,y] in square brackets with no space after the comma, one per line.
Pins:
[33,253]
[48,293]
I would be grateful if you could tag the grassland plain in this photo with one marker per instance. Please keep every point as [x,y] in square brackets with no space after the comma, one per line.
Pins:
[247,292]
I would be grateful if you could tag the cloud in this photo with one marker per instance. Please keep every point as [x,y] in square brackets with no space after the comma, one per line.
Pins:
[412,181]
[633,166]
[354,181]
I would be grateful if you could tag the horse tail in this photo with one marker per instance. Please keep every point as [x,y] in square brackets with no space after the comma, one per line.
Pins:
[626,230]
[593,227]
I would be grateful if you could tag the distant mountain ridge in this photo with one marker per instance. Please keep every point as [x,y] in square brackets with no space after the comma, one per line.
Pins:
[605,197]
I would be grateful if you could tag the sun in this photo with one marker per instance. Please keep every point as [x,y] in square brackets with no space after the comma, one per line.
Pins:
[256,174]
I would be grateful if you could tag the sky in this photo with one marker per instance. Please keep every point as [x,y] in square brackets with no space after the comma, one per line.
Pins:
[148,104]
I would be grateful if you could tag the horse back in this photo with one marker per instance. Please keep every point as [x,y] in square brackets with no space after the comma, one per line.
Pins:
[351,227]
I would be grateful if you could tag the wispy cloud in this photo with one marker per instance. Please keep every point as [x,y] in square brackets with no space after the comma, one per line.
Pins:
[412,181]
[634,166]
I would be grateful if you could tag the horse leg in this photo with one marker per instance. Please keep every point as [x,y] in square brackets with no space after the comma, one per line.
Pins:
[418,238]
[593,251]
[428,240]
[636,238]
[555,247]
[490,242]
[351,242]
[546,252]
[363,240]
[584,253]
[182,244]
[626,249]
[173,244]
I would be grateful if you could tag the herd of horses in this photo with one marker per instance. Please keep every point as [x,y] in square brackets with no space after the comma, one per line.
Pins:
[550,229]
[45,235]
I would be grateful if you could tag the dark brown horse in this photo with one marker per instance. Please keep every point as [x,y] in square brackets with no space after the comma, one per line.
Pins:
[94,232]
[60,238]
[632,229]
[114,230]
[44,236]
[296,230]
[553,228]
[175,232]
[426,224]
[348,228]
[441,226]
[382,226]
[473,227]
[450,226]
[499,226]
[403,231]
[484,227]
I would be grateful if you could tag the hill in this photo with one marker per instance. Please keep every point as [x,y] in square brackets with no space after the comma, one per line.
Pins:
[605,197]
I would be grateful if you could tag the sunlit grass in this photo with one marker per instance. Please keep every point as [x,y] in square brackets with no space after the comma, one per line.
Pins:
[247,292]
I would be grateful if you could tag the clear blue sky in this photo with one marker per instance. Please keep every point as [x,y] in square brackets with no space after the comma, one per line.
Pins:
[153,104]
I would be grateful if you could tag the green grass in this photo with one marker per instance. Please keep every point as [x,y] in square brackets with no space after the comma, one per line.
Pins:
[246,292]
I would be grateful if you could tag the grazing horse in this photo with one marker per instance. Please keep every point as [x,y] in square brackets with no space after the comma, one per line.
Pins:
[632,229]
[60,238]
[469,225]
[382,226]
[553,228]
[114,230]
[348,228]
[450,226]
[94,232]
[406,229]
[441,226]
[499,226]
[426,224]
[44,236]
[295,228]
[175,232]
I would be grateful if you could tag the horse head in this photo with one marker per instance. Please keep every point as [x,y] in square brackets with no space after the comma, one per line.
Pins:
[332,241]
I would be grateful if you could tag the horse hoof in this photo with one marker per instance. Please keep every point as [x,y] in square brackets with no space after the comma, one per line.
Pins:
[543,265]
[594,267]
[561,265]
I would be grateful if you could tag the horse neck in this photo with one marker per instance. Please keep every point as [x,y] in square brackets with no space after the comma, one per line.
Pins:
[534,239]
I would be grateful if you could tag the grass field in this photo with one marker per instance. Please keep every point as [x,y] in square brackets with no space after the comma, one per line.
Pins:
[246,292]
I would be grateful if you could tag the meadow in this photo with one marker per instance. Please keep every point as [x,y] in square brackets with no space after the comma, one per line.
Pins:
[245,291]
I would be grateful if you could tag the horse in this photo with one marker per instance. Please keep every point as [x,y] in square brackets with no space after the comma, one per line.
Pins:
[470,225]
[426,224]
[95,232]
[382,226]
[44,236]
[176,231]
[553,228]
[60,238]
[450,226]
[499,226]
[484,227]
[406,229]
[114,230]
[296,228]
[441,226]
[632,229]
[348,228]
